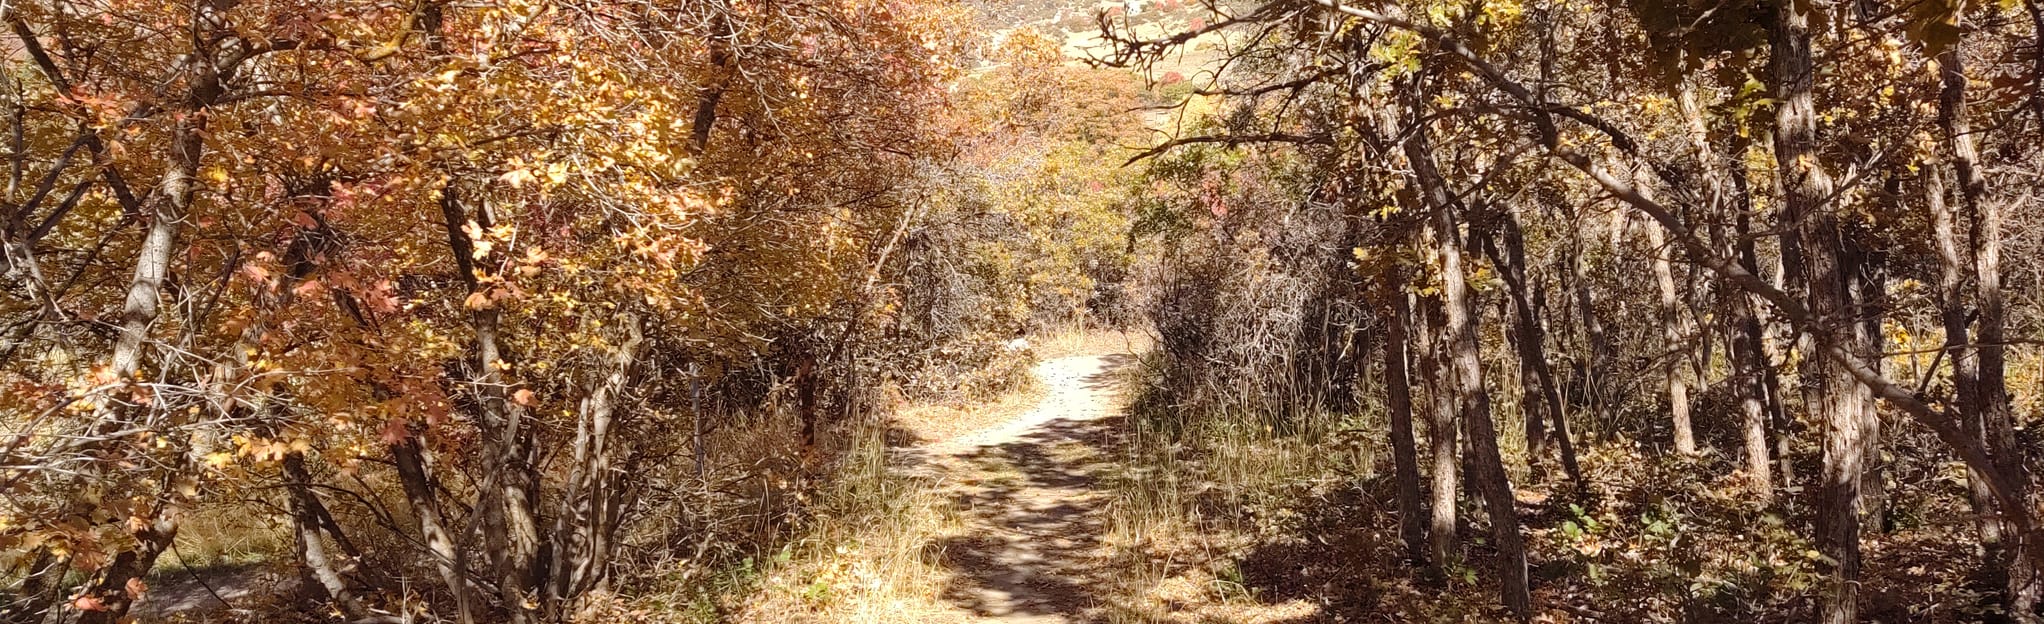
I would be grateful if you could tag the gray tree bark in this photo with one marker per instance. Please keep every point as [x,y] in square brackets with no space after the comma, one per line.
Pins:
[2025,589]
[1832,390]
[1412,523]
[1486,463]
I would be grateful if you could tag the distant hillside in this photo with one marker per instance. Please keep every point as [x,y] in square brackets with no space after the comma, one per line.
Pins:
[1076,22]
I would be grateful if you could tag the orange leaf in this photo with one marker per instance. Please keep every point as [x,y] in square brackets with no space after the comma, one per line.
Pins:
[88,602]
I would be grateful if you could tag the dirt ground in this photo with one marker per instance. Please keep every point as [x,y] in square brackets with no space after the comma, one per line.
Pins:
[1027,490]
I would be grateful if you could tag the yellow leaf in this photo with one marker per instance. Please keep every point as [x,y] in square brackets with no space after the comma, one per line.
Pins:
[517,177]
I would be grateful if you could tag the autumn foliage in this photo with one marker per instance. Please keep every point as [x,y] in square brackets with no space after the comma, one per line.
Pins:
[543,311]
[466,273]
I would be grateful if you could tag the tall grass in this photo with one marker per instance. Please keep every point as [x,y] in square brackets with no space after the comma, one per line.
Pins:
[1198,486]
[869,555]
[1081,338]
[214,538]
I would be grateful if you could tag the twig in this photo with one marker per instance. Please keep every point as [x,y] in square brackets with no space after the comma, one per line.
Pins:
[187,565]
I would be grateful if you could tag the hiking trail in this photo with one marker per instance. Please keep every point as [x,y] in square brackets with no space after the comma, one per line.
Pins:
[1027,489]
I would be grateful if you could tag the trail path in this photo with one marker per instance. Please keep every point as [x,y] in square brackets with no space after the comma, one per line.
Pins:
[1032,551]
[186,595]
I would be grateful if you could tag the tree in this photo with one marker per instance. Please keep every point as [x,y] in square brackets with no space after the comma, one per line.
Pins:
[440,249]
[1672,97]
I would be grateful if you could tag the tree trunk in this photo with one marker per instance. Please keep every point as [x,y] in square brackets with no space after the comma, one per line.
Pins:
[152,263]
[1412,527]
[1866,281]
[719,44]
[1776,346]
[1675,333]
[1725,181]
[1463,349]
[118,584]
[1805,188]
[1595,366]
[1531,342]
[170,208]
[1443,461]
[1485,462]
[510,531]
[1954,266]
[805,394]
[1997,421]
[1532,406]
[1753,352]
[416,477]
[1441,438]
[695,408]
[508,502]
[305,519]
[581,541]
[41,583]
[1749,358]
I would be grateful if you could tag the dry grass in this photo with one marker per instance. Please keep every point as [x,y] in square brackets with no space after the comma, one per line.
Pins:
[1190,506]
[872,553]
[868,557]
[223,538]
[1081,340]
[939,421]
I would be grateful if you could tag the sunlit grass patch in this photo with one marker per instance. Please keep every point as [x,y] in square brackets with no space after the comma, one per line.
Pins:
[1080,339]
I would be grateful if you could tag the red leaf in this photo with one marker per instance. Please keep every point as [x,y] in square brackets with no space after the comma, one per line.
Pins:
[394,431]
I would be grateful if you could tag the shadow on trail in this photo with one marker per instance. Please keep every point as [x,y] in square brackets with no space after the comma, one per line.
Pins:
[1113,374]
[1036,514]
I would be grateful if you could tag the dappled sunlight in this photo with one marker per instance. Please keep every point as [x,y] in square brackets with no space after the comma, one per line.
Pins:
[1026,490]
[1035,311]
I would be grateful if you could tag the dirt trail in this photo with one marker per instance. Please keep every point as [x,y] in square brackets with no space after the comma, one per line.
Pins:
[1027,490]
[185,595]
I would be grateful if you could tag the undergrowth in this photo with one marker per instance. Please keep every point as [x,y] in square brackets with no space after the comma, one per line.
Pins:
[1221,516]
